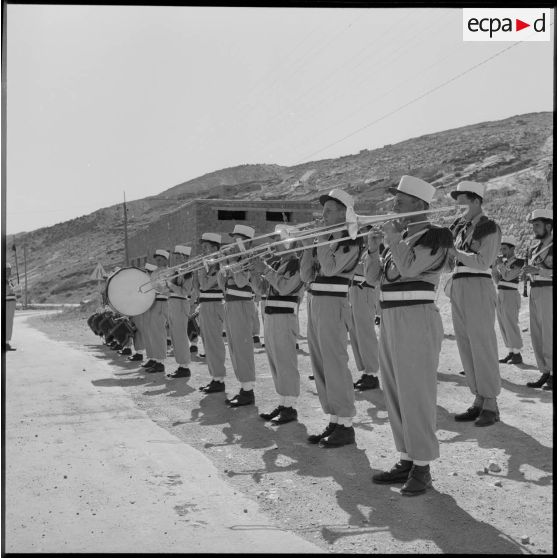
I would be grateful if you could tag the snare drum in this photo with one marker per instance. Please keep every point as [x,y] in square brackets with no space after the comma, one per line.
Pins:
[128,291]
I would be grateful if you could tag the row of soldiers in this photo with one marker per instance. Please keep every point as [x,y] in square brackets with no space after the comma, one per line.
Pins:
[343,277]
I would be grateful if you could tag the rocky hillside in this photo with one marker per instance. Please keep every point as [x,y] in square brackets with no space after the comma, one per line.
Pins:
[514,156]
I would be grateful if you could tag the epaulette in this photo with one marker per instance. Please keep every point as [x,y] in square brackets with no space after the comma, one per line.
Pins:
[435,238]
[347,243]
[292,266]
[518,262]
[484,227]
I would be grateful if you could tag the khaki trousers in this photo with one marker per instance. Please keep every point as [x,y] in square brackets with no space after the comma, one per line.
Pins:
[179,310]
[328,322]
[139,336]
[10,312]
[280,344]
[156,330]
[255,320]
[541,306]
[362,333]
[239,316]
[473,310]
[507,312]
[410,343]
[211,318]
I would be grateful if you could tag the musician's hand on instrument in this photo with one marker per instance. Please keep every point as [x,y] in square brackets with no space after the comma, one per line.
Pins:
[374,239]
[392,232]
[258,266]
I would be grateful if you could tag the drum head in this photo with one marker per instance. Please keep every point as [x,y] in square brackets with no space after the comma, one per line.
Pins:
[123,291]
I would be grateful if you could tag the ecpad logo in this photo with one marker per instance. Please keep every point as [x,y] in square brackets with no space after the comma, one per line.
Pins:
[506,24]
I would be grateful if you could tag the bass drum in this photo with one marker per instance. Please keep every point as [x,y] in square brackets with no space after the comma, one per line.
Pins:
[129,291]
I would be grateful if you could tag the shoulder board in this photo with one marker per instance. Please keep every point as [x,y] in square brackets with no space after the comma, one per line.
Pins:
[292,266]
[518,263]
[484,227]
[435,238]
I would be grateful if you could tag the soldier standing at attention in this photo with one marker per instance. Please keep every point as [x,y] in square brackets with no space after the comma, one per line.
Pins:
[280,283]
[411,331]
[10,302]
[473,302]
[157,316]
[239,313]
[179,309]
[540,268]
[506,273]
[329,270]
[212,313]
[140,336]
[362,299]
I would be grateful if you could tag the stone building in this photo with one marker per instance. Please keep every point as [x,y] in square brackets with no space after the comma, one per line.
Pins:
[186,224]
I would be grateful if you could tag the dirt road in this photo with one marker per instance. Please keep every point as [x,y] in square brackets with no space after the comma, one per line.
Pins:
[87,471]
[326,496]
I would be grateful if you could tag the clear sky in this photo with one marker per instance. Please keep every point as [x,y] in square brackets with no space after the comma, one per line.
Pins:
[106,99]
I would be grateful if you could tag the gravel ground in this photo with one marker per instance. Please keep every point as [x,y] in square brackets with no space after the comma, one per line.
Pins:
[325,495]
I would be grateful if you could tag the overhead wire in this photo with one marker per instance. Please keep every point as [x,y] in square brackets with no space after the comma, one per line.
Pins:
[412,101]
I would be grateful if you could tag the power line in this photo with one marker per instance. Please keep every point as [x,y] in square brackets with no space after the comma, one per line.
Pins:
[412,101]
[389,60]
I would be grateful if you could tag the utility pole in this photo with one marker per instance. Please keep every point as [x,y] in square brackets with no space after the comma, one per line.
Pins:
[25,272]
[126,232]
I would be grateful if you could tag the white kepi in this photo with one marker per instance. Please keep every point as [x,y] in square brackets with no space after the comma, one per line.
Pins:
[415,187]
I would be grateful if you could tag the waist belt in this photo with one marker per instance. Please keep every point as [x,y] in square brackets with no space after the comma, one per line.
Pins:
[10,297]
[280,304]
[276,310]
[541,283]
[507,285]
[181,297]
[236,294]
[408,293]
[329,289]
[541,279]
[466,271]
[211,296]
[161,297]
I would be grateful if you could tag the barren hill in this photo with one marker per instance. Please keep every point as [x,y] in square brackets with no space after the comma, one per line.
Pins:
[513,155]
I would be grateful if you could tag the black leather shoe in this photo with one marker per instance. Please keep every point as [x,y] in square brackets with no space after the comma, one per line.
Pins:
[367,381]
[180,372]
[516,359]
[487,418]
[136,357]
[273,414]
[157,367]
[315,438]
[244,397]
[213,387]
[125,352]
[310,377]
[506,358]
[549,386]
[418,482]
[540,382]
[341,436]
[377,320]
[8,347]
[148,364]
[472,413]
[287,414]
[398,473]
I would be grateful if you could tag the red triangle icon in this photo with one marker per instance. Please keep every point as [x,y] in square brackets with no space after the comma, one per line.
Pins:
[519,25]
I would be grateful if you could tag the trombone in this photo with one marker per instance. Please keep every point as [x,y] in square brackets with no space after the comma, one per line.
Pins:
[352,227]
[265,249]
